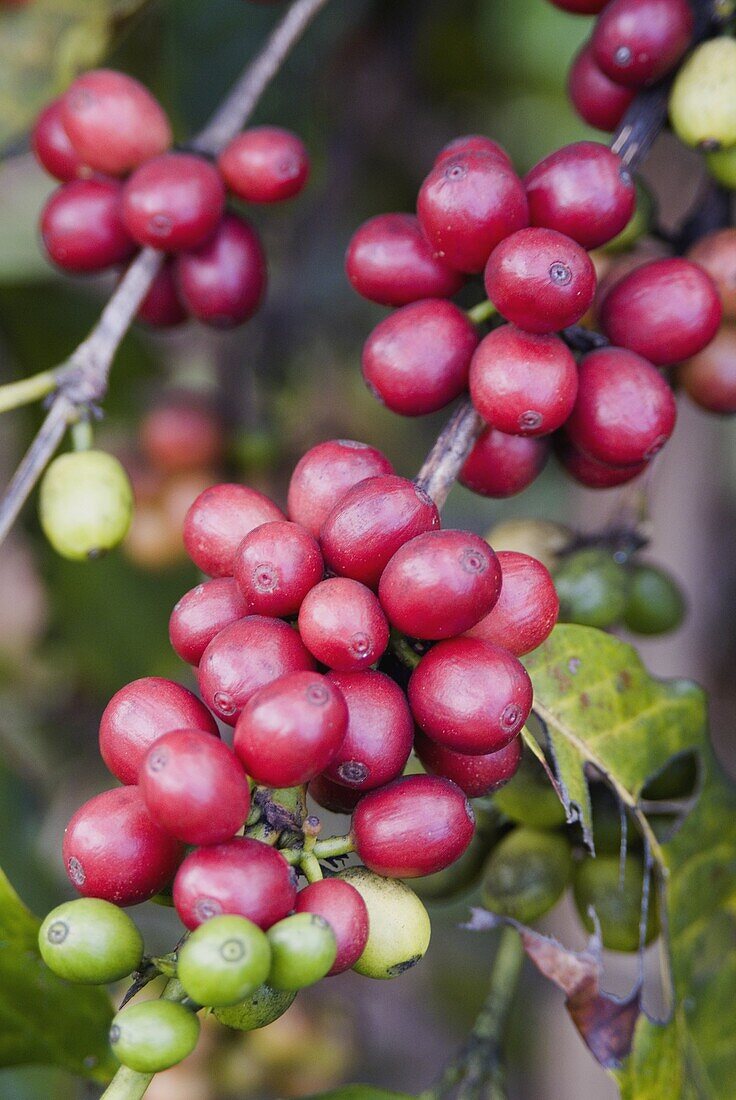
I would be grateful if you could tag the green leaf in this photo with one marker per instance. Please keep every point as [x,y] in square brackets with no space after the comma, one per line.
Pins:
[44,1020]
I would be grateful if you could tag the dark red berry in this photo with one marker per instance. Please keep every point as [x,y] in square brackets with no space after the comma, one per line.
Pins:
[162,307]
[469,695]
[223,281]
[472,143]
[242,877]
[202,613]
[52,147]
[467,204]
[378,741]
[416,360]
[174,201]
[343,908]
[333,796]
[636,42]
[369,524]
[114,850]
[666,310]
[474,775]
[139,714]
[218,521]
[526,610]
[521,383]
[581,7]
[390,261]
[591,473]
[709,378]
[276,565]
[599,101]
[342,624]
[325,473]
[265,164]
[82,227]
[501,465]
[540,280]
[180,434]
[415,826]
[194,787]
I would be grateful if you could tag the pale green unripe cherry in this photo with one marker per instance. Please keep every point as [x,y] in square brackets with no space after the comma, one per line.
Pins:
[85,504]
[153,1035]
[223,961]
[303,949]
[90,941]
[398,924]
[259,1009]
[703,97]
[722,167]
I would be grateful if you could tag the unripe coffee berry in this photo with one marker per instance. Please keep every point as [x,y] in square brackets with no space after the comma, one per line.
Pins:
[151,1036]
[85,504]
[223,961]
[303,950]
[526,874]
[258,1010]
[90,941]
[398,925]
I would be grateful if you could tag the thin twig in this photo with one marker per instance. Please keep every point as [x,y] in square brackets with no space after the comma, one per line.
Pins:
[446,459]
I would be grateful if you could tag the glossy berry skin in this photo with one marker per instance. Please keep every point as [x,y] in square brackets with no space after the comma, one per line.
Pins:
[82,228]
[398,925]
[194,787]
[591,473]
[525,611]
[113,122]
[246,656]
[223,961]
[709,378]
[469,695]
[636,42]
[416,360]
[716,253]
[474,775]
[472,143]
[540,280]
[522,383]
[667,311]
[324,474]
[218,521]
[291,729]
[265,164]
[222,282]
[141,712]
[276,565]
[415,826]
[202,613]
[242,876]
[378,740]
[370,522]
[625,411]
[114,850]
[467,204]
[502,465]
[51,145]
[340,904]
[343,625]
[90,941]
[333,796]
[582,190]
[162,307]
[303,950]
[174,201]
[391,262]
[599,101]
[151,1036]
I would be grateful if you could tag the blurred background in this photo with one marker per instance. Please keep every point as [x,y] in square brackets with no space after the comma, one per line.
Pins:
[374,89]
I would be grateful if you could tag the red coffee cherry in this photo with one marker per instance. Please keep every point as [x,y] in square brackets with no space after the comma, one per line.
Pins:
[113,122]
[82,228]
[502,465]
[265,164]
[416,360]
[51,145]
[472,143]
[139,714]
[345,911]
[474,775]
[599,101]
[162,307]
[540,280]
[469,695]
[194,787]
[333,796]
[582,190]
[174,201]
[218,521]
[370,522]
[526,610]
[222,282]
[581,7]
[380,730]
[667,311]
[413,827]
[242,877]
[440,584]
[114,850]
[341,622]
[716,253]
[201,614]
[467,204]
[244,657]
[390,261]
[591,473]
[625,411]
[521,383]
[276,565]
[636,42]
[291,729]
[709,378]
[324,474]
[181,434]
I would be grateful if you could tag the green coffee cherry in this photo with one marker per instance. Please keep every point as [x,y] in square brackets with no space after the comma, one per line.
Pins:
[597,884]
[722,166]
[153,1035]
[540,538]
[399,928]
[592,587]
[259,1009]
[85,504]
[703,97]
[90,941]
[303,949]
[529,798]
[639,224]
[655,604]
[223,961]
[464,873]
[526,874]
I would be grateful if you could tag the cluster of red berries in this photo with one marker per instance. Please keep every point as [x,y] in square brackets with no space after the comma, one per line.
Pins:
[109,142]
